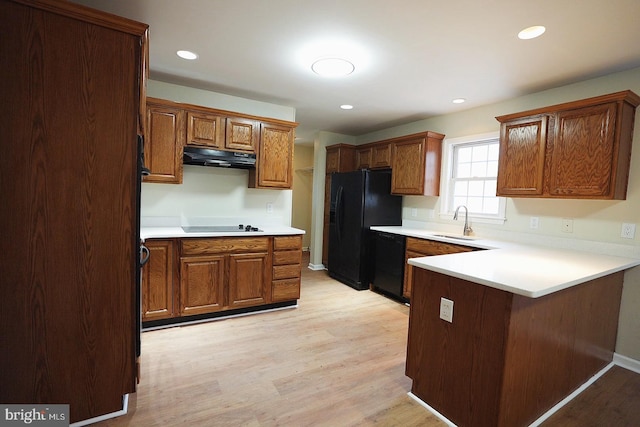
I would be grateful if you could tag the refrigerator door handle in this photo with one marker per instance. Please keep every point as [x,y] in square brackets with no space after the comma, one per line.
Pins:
[339,212]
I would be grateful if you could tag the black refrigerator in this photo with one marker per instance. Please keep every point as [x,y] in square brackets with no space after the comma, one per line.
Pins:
[359,200]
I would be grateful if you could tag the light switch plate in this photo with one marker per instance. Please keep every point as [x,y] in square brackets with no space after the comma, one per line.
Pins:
[446,309]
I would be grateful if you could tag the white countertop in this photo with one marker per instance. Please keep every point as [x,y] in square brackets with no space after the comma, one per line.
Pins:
[169,232]
[531,271]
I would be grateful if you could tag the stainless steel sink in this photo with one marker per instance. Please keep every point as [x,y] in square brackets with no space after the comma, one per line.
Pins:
[454,236]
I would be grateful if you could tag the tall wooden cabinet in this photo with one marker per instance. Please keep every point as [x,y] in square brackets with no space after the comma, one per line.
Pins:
[71,80]
[580,149]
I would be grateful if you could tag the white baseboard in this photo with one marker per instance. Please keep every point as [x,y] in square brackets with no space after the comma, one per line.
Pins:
[123,411]
[626,362]
[316,267]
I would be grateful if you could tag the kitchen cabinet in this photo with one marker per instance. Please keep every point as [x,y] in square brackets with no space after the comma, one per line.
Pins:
[374,156]
[173,125]
[340,158]
[242,134]
[415,164]
[287,262]
[205,129]
[164,141]
[158,278]
[274,167]
[223,273]
[71,79]
[416,248]
[580,149]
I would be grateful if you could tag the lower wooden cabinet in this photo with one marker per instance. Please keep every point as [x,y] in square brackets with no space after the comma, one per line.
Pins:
[287,260]
[416,248]
[158,278]
[192,276]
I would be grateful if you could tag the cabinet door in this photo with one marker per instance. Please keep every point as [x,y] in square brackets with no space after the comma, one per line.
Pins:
[381,156]
[242,134]
[522,156]
[363,158]
[157,281]
[408,166]
[583,152]
[164,143]
[275,158]
[205,130]
[201,284]
[340,158]
[408,273]
[248,279]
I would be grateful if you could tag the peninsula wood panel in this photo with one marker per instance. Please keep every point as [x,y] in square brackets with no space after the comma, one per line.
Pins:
[70,80]
[507,359]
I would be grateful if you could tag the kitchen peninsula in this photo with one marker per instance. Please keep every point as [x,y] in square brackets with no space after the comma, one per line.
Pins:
[530,325]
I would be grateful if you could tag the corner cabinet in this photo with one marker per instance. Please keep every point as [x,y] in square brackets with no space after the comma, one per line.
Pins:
[578,150]
[415,164]
[274,168]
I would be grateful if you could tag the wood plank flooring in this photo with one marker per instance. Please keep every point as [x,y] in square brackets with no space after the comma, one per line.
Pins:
[336,360]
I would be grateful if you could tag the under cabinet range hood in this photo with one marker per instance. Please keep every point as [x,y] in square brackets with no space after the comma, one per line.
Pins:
[219,158]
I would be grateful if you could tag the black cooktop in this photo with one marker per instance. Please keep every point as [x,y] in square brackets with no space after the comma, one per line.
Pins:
[219,228]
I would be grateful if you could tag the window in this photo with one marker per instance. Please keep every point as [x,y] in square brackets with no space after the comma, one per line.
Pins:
[471,170]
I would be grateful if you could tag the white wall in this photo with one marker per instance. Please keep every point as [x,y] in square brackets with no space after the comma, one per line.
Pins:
[217,192]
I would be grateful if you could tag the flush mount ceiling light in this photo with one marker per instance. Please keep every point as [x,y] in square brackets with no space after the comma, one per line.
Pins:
[458,100]
[332,67]
[346,107]
[187,54]
[531,32]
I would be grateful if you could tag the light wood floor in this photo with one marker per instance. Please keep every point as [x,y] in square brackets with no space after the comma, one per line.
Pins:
[336,360]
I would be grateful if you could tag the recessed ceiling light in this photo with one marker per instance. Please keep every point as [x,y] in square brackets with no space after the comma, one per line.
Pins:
[531,32]
[458,100]
[187,54]
[332,67]
[346,107]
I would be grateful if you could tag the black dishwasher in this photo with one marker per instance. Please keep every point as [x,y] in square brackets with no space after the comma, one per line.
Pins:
[387,264]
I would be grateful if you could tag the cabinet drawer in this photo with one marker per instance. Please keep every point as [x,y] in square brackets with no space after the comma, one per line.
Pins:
[287,257]
[286,271]
[285,290]
[287,242]
[224,245]
[430,247]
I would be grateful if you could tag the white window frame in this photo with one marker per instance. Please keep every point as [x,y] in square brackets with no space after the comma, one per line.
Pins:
[447,211]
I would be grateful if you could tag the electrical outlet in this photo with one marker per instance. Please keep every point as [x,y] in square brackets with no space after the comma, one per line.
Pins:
[567,225]
[414,212]
[269,207]
[628,231]
[534,222]
[446,309]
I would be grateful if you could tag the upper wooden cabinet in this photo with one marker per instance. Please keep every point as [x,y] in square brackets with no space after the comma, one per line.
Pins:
[340,158]
[205,129]
[172,125]
[274,167]
[164,141]
[376,155]
[415,164]
[580,149]
[242,134]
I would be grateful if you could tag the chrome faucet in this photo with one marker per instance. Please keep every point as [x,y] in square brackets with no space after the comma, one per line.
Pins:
[467,230]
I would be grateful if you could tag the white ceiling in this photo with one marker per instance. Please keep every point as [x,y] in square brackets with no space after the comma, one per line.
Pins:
[417,55]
